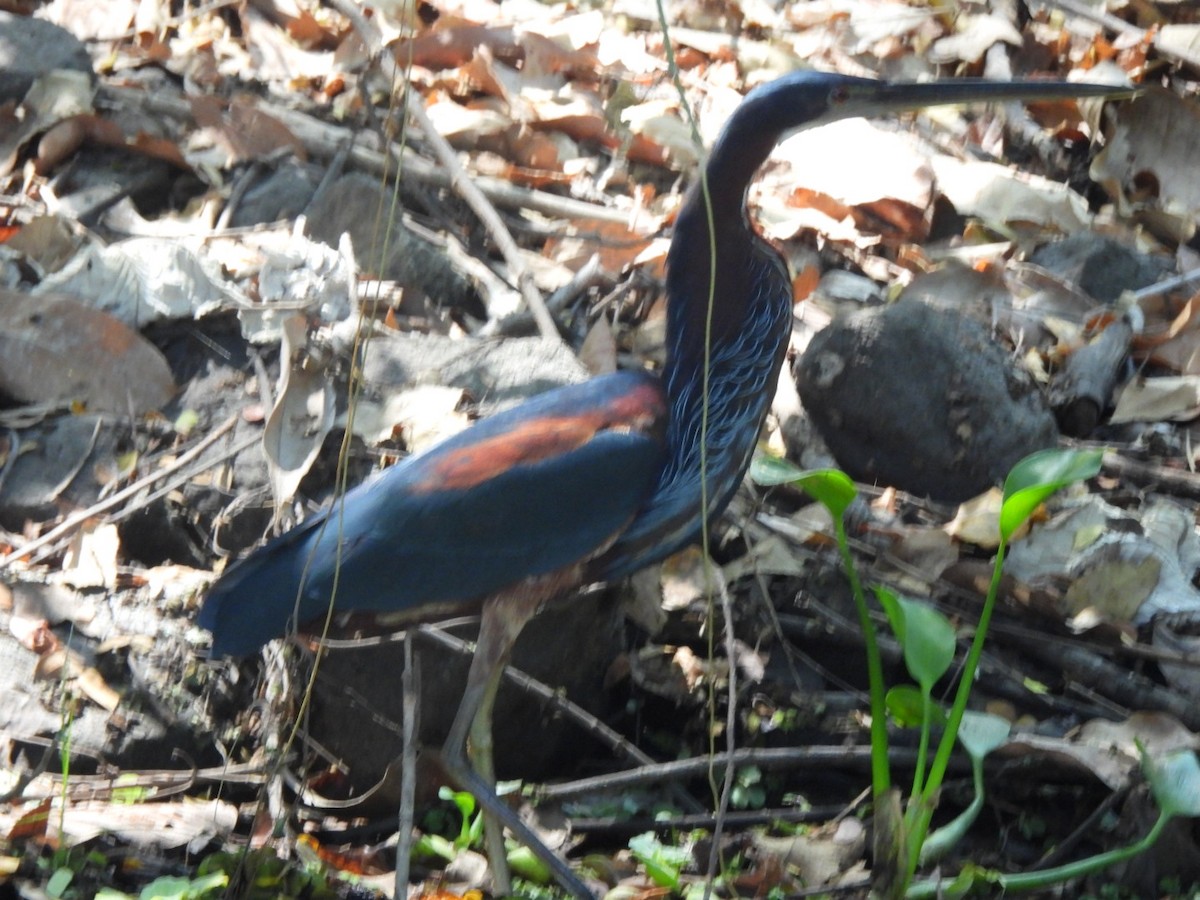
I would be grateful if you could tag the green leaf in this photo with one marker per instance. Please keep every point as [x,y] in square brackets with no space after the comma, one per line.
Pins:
[771,470]
[1039,475]
[464,800]
[926,636]
[59,881]
[1175,781]
[906,704]
[167,887]
[831,488]
[890,601]
[663,863]
[981,733]
[525,863]
[428,845]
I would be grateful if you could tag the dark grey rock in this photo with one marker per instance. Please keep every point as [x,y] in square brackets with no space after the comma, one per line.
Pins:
[393,251]
[282,195]
[921,399]
[30,47]
[53,468]
[1100,266]
[496,374]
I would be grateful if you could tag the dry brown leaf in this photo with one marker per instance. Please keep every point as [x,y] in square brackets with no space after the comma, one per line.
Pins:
[1175,346]
[617,244]
[93,686]
[242,129]
[55,349]
[450,44]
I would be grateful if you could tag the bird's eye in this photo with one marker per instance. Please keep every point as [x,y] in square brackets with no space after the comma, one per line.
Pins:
[838,96]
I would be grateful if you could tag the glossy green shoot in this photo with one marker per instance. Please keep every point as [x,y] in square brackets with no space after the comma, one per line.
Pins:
[1032,481]
[979,734]
[1175,782]
[1039,475]
[835,491]
[927,640]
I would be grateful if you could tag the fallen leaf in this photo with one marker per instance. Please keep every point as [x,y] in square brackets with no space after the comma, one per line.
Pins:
[1149,161]
[302,415]
[1174,398]
[55,349]
[91,558]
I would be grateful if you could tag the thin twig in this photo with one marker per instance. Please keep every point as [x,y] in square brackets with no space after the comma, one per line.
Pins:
[462,183]
[410,687]
[825,757]
[323,140]
[74,521]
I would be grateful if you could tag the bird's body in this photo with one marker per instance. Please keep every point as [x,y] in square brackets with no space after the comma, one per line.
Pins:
[510,499]
[588,482]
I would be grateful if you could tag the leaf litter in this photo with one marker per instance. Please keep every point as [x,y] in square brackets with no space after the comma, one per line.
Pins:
[569,123]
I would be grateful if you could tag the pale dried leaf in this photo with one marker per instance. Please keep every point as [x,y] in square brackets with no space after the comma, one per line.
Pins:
[91,558]
[454,121]
[143,280]
[1002,196]
[660,122]
[978,520]
[687,577]
[93,686]
[163,826]
[1180,41]
[599,350]
[1171,398]
[303,414]
[924,554]
[974,36]
[772,555]
[819,857]
[1159,733]
[1154,139]
[423,415]
[1114,770]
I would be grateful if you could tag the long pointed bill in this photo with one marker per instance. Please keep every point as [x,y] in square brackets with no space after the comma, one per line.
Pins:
[861,98]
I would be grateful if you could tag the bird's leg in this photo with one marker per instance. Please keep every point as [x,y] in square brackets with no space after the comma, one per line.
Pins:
[503,618]
[479,752]
[472,729]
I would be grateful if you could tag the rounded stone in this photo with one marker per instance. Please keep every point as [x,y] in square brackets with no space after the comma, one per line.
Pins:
[922,399]
[30,47]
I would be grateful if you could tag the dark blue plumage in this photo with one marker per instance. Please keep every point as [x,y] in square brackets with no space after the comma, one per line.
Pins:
[510,498]
[589,482]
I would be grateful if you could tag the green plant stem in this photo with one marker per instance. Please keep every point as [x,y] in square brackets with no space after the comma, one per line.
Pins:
[1028,881]
[923,746]
[927,801]
[881,779]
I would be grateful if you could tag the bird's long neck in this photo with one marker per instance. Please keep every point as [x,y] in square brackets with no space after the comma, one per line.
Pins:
[729,314]
[713,225]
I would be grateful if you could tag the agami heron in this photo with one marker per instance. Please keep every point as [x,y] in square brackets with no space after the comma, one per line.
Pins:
[589,482]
